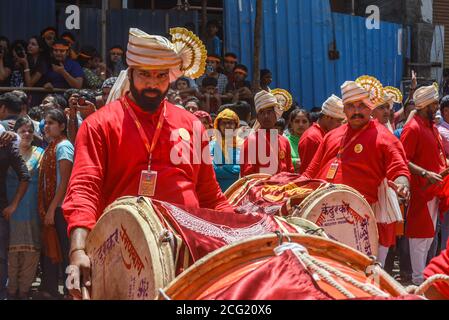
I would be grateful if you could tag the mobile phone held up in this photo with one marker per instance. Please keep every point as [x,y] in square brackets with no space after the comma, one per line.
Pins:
[20,51]
[82,101]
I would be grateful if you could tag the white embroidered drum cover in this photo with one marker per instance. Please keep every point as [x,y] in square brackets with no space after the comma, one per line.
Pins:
[344,215]
[128,263]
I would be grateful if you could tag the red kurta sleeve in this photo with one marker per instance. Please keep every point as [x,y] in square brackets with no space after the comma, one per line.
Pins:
[439,265]
[396,160]
[208,190]
[409,140]
[315,165]
[307,148]
[246,168]
[83,193]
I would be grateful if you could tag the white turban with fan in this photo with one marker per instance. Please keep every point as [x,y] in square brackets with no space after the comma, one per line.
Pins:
[425,96]
[185,56]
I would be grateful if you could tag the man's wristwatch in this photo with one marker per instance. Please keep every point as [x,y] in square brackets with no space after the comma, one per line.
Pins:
[424,173]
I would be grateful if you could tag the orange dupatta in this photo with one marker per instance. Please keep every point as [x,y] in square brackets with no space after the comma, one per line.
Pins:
[46,193]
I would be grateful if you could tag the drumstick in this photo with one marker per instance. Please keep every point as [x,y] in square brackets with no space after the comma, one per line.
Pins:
[445,173]
[85,293]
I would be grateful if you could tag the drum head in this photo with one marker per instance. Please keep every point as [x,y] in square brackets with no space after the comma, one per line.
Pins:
[229,265]
[128,260]
[344,215]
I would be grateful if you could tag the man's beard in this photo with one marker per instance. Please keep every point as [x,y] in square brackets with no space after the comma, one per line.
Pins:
[149,104]
[430,115]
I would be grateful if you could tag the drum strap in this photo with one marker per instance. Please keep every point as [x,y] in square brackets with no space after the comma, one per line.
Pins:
[178,243]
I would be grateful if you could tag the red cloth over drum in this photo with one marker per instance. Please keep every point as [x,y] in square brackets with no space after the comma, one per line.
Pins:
[204,231]
[282,278]
[305,268]
[274,195]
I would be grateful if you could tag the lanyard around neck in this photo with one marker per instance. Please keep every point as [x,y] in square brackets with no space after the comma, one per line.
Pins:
[150,147]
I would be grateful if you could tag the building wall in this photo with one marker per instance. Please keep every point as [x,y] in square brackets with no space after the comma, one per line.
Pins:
[441,17]
[297,37]
[21,19]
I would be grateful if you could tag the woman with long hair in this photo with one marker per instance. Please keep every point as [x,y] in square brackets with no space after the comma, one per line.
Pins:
[18,72]
[24,224]
[54,176]
[298,123]
[116,61]
[35,65]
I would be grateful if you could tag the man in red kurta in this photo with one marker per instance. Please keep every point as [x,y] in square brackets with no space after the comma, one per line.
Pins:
[438,265]
[361,154]
[140,137]
[331,117]
[265,151]
[425,153]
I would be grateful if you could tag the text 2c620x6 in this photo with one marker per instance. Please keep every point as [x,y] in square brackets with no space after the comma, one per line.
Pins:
[246,309]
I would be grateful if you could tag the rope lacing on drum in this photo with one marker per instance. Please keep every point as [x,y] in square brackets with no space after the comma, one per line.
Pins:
[422,289]
[325,272]
[367,287]
[164,295]
[315,231]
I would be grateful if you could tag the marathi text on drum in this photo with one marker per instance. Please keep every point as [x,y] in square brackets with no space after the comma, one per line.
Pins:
[342,214]
[136,261]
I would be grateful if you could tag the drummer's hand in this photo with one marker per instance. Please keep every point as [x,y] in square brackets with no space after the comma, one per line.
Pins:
[80,284]
[433,177]
[403,192]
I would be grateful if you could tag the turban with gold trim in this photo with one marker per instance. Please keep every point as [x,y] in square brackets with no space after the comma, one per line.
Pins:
[185,55]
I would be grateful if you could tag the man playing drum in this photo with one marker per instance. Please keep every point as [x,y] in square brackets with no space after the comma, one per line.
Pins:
[363,153]
[141,145]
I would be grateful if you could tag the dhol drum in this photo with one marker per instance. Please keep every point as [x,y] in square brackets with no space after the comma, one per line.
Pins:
[344,215]
[139,245]
[306,267]
[340,210]
[130,259]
